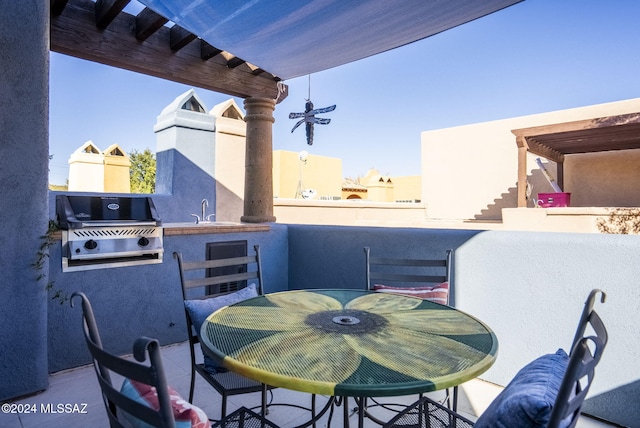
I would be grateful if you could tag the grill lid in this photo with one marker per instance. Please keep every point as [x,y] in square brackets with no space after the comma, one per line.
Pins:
[76,212]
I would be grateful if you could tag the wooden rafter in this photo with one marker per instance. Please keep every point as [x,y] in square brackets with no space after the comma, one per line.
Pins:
[234,62]
[57,6]
[179,38]
[107,10]
[545,151]
[255,70]
[132,44]
[207,51]
[147,23]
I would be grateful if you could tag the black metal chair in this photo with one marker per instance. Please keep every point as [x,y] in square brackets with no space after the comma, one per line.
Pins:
[402,275]
[151,373]
[211,279]
[429,279]
[244,418]
[575,382]
[586,352]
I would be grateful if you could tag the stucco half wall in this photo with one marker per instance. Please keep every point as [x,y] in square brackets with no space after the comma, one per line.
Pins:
[531,288]
[471,171]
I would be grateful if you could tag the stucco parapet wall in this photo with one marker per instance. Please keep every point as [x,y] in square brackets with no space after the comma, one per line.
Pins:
[560,219]
[211,228]
[348,212]
[185,119]
[342,203]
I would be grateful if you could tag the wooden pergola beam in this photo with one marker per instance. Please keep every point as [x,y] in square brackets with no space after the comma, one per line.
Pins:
[74,32]
[602,122]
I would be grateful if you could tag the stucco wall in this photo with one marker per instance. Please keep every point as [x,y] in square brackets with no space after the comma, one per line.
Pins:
[86,172]
[348,213]
[320,173]
[230,146]
[24,125]
[607,179]
[531,287]
[188,186]
[333,256]
[407,188]
[470,172]
[528,287]
[117,168]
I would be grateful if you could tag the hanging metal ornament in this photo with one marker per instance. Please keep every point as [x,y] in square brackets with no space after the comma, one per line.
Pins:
[309,116]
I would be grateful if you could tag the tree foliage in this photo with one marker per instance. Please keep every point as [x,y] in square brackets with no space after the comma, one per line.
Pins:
[621,221]
[143,171]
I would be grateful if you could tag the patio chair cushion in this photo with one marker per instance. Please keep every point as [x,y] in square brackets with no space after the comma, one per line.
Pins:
[185,414]
[438,293]
[199,310]
[528,399]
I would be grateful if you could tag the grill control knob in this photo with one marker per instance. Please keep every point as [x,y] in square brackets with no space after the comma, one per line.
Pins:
[90,244]
[143,242]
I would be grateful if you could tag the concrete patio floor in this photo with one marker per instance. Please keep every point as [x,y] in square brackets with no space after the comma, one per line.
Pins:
[80,386]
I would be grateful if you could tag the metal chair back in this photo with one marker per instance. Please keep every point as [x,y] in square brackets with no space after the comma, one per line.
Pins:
[151,373]
[585,354]
[208,278]
[406,272]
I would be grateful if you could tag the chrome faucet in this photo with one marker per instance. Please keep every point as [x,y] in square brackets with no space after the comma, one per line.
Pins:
[204,218]
[205,204]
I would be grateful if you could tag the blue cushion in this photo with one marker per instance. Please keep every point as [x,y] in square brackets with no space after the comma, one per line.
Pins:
[528,399]
[199,310]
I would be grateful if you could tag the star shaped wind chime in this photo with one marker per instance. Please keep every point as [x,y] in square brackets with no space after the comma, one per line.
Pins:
[309,116]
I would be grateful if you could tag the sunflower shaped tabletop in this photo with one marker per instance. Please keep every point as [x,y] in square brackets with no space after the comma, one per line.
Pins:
[349,342]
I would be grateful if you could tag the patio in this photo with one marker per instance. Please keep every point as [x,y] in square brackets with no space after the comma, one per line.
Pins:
[528,287]
[79,385]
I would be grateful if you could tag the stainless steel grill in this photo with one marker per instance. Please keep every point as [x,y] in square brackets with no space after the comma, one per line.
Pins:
[105,231]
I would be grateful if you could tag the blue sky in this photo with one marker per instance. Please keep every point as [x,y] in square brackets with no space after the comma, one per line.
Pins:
[534,57]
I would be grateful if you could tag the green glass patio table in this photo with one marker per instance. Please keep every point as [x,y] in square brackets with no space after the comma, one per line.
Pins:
[352,343]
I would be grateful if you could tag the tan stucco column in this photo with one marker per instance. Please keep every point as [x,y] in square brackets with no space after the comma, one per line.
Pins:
[258,182]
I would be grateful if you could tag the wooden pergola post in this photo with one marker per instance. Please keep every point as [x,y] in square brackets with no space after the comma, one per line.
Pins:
[522,171]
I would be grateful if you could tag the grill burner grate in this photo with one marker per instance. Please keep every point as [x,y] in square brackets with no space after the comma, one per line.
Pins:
[111,232]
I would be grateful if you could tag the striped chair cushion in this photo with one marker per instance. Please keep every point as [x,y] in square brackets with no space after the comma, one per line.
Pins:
[438,293]
[185,414]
